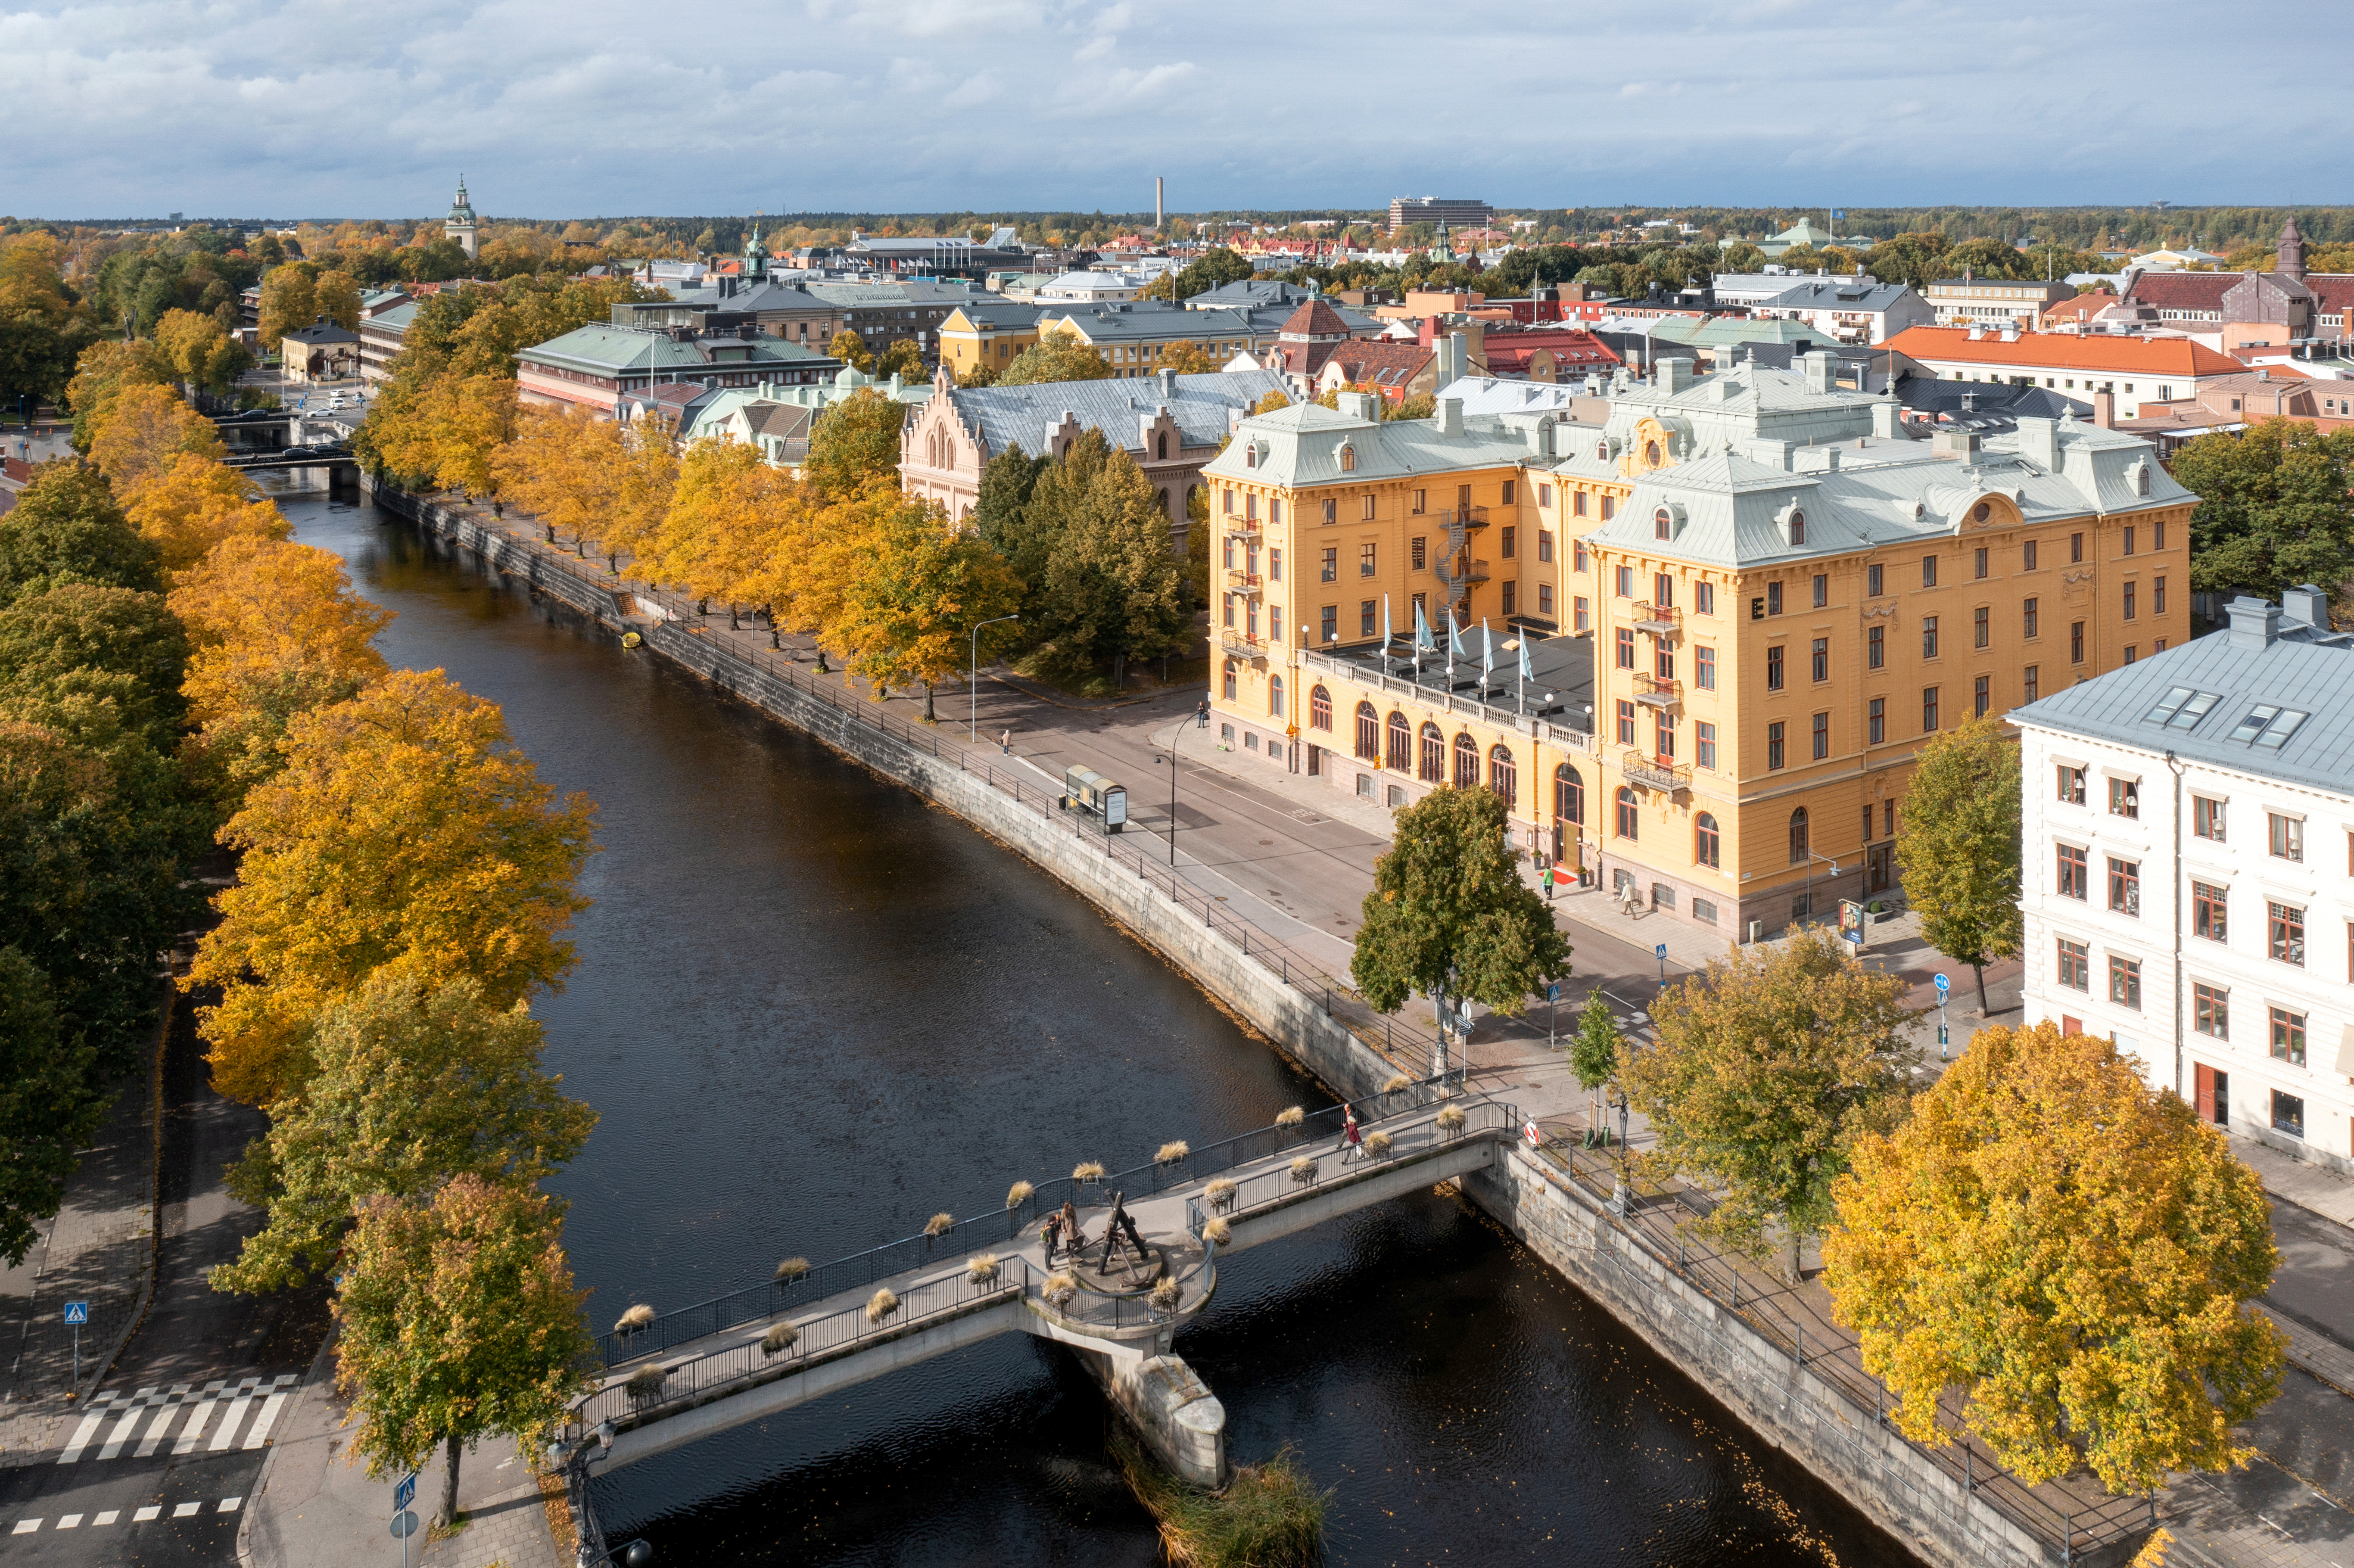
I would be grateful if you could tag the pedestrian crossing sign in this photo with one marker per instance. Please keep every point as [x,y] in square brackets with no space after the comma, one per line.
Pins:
[77,1312]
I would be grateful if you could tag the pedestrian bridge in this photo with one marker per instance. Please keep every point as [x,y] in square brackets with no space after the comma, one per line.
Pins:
[685,1375]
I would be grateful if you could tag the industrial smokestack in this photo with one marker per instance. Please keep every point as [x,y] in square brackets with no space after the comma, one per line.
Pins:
[1159,215]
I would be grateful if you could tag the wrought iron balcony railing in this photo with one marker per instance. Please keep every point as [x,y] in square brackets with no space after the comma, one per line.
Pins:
[1654,773]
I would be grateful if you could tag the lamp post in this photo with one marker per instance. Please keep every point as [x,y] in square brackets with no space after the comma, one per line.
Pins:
[972,680]
[570,1460]
[1171,761]
[1811,858]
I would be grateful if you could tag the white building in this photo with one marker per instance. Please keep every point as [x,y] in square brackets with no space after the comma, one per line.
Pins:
[2189,873]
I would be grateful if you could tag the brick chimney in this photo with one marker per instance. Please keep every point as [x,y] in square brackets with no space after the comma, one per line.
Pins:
[2104,410]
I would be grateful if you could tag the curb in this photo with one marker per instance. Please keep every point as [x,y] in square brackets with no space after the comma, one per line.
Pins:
[311,1380]
[104,1366]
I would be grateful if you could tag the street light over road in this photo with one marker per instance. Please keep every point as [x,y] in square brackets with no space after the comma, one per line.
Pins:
[972,681]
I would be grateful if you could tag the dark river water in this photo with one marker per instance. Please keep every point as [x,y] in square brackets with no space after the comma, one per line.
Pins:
[813,1012]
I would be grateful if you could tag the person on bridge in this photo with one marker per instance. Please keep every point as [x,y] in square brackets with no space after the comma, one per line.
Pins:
[1353,1147]
[1073,1238]
[1050,1234]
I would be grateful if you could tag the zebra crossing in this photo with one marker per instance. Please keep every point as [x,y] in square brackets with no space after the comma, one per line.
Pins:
[222,1415]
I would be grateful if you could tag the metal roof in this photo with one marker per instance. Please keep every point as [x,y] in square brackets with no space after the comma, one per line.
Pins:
[1202,405]
[2206,699]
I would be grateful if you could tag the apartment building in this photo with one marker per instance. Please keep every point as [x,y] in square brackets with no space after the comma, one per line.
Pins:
[2133,369]
[1135,336]
[1994,302]
[986,333]
[1744,601]
[2188,886]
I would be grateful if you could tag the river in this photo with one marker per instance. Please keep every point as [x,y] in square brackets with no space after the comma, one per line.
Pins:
[812,1011]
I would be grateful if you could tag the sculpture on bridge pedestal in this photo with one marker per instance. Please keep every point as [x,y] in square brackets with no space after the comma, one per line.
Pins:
[1120,1231]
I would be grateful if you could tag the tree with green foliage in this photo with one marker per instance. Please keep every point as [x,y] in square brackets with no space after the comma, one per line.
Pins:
[458,1320]
[2071,1252]
[1958,850]
[66,529]
[1112,585]
[68,650]
[1449,915]
[2275,509]
[1593,1052]
[50,1106]
[904,358]
[413,1085]
[855,444]
[1056,357]
[850,349]
[42,325]
[1764,1071]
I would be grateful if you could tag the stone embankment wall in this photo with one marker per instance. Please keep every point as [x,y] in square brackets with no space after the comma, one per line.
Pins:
[1895,1485]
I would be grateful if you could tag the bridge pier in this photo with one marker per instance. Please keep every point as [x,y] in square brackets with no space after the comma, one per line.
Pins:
[1169,1406]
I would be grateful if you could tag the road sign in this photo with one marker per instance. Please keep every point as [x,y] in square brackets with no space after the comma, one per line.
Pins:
[77,1312]
[1553,991]
[404,1525]
[1661,952]
[1529,1130]
[404,1492]
[1943,985]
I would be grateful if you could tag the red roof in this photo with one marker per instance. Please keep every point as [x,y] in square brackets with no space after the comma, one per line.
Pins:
[1315,320]
[2096,351]
[2082,308]
[2182,291]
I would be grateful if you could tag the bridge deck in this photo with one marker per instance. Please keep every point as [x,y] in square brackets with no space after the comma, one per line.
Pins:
[1258,1199]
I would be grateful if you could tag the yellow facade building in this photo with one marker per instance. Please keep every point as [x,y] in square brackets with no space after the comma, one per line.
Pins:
[986,333]
[1743,601]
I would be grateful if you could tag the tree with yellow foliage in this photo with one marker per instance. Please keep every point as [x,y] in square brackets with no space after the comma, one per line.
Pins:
[1270,403]
[2071,1249]
[144,431]
[442,431]
[275,631]
[286,301]
[919,589]
[100,375]
[407,830]
[850,349]
[712,542]
[200,351]
[856,444]
[194,503]
[336,296]
[553,469]
[1189,358]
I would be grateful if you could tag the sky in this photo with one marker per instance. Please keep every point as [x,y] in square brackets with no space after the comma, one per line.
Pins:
[329,109]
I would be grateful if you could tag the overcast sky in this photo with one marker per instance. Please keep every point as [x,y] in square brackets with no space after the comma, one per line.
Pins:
[119,108]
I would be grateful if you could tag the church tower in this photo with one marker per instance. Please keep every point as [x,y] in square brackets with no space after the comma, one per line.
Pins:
[755,258]
[2292,251]
[460,225]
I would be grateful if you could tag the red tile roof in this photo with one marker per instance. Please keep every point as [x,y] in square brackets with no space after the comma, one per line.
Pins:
[1315,319]
[2096,352]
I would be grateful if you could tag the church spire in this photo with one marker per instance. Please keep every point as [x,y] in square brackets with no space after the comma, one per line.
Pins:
[2291,250]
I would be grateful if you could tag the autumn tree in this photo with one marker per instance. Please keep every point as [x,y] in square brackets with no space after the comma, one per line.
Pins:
[2275,508]
[458,1320]
[1764,1071]
[100,375]
[561,467]
[146,429]
[1958,848]
[201,353]
[1270,403]
[412,1086]
[2071,1250]
[919,590]
[336,295]
[856,444]
[1189,358]
[194,503]
[1056,357]
[710,542]
[287,302]
[275,631]
[41,329]
[442,431]
[66,528]
[1449,915]
[904,358]
[405,829]
[850,349]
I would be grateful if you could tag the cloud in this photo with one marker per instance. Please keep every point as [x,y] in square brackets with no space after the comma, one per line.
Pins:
[275,109]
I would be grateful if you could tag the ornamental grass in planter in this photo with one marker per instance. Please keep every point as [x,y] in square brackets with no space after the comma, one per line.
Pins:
[646,1383]
[1088,1170]
[939,1225]
[1059,1288]
[638,1316]
[880,1306]
[1377,1144]
[1019,1194]
[779,1338]
[792,1270]
[1218,1232]
[1397,1084]
[982,1268]
[1221,1193]
[1290,1117]
[1164,1295]
[1303,1171]
[1451,1120]
[1173,1150]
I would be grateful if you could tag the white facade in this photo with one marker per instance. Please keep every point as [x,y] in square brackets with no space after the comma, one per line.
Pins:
[2199,914]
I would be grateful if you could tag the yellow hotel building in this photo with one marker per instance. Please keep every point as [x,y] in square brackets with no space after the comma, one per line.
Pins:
[1744,599]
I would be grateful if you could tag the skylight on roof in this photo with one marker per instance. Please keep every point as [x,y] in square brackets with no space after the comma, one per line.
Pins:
[2181,708]
[2268,725]
[2254,725]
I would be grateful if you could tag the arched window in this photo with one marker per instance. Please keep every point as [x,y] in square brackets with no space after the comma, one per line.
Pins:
[1626,813]
[1275,697]
[1706,847]
[1651,454]
[1663,523]
[1250,455]
[1505,775]
[1369,733]
[1467,762]
[1799,846]
[2141,480]
[1160,446]
[1347,459]
[1319,708]
[1434,755]
[1797,527]
[1401,743]
[1160,499]
[1230,680]
[1568,795]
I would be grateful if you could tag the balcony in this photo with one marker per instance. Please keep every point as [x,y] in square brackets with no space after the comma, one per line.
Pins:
[1653,773]
[1659,619]
[1239,581]
[1658,691]
[1464,517]
[1242,644]
[1246,527]
[1454,573]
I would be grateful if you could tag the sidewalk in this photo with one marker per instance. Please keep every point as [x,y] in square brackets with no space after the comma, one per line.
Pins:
[313,1505]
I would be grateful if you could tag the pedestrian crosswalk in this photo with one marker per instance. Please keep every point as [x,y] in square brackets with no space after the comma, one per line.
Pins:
[113,1515]
[220,1415]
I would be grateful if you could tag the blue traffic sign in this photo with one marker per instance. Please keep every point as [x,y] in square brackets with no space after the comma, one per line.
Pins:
[77,1312]
[404,1491]
[1660,952]
[1553,991]
[1943,987]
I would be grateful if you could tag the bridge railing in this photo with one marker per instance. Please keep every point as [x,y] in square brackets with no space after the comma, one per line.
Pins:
[981,1232]
[1267,1187]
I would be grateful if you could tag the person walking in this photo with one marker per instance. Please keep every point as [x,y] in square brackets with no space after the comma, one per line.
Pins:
[1005,742]
[1202,715]
[1051,1233]
[1352,1146]
[1073,1238]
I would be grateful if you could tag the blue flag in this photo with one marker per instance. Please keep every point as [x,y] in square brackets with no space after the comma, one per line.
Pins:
[1385,623]
[1454,641]
[1487,650]
[1421,640]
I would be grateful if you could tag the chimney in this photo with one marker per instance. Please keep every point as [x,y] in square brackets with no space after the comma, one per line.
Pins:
[1819,372]
[2305,606]
[1885,415]
[1675,375]
[2254,623]
[1159,213]
[2104,410]
[1955,446]
[2010,334]
[2039,443]
[1449,418]
[1977,334]
[1168,380]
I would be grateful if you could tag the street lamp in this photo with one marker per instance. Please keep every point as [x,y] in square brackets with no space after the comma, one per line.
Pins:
[1171,761]
[972,680]
[1811,858]
[1619,1198]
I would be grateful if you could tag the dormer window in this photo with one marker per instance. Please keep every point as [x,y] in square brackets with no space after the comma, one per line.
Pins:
[1602,451]
[1347,459]
[1663,525]
[2141,478]
[1651,454]
[1797,527]
[1250,455]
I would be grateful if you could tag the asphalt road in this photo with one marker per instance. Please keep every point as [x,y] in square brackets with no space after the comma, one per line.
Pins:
[174,1507]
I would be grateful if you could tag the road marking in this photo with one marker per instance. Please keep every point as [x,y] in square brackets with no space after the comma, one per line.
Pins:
[157,1429]
[122,1432]
[268,1418]
[145,1514]
[222,1438]
[25,1526]
[69,1522]
[228,1505]
[195,1428]
[183,1510]
[109,1517]
[83,1433]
